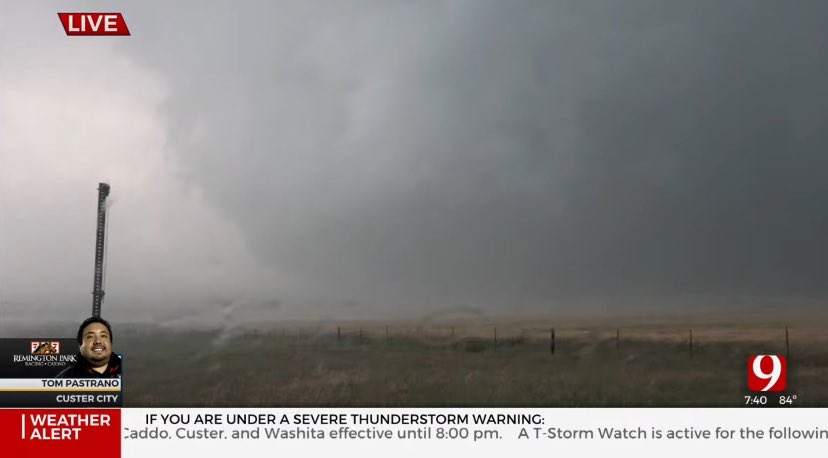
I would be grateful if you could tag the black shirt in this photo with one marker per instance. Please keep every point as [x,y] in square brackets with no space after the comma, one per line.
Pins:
[82,369]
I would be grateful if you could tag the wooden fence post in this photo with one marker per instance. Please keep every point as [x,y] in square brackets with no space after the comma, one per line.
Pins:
[617,339]
[691,344]
[338,333]
[552,340]
[787,345]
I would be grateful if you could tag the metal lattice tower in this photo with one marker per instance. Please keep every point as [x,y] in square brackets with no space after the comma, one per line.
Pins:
[100,239]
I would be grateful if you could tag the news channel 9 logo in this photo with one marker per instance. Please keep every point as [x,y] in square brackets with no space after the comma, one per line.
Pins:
[767,373]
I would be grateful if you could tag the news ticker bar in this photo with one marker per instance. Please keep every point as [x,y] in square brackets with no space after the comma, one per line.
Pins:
[377,431]
[59,384]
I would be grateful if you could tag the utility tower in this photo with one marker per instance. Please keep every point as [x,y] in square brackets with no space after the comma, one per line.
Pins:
[100,240]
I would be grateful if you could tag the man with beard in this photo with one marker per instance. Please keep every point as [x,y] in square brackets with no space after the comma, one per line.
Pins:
[95,358]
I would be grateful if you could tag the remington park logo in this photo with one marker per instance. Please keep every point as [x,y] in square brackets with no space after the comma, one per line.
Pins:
[45,348]
[43,353]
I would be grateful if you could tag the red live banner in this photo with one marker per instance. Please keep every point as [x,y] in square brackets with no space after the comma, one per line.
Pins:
[60,432]
[94,24]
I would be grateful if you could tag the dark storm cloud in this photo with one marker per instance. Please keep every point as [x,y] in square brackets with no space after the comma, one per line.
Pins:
[508,154]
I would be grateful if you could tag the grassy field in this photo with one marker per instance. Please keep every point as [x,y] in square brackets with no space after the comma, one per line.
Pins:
[463,364]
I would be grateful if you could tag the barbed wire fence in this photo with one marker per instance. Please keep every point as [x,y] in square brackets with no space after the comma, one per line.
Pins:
[555,340]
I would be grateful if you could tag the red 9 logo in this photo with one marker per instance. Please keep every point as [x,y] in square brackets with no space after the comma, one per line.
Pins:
[767,373]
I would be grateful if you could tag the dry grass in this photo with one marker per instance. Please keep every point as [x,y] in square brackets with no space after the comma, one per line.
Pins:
[459,364]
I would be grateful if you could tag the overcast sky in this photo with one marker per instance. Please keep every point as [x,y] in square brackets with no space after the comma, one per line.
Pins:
[389,158]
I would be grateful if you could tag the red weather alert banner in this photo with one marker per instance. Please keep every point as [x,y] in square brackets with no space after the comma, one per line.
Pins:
[60,432]
[93,23]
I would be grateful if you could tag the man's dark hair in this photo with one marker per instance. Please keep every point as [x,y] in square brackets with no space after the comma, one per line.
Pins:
[90,320]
